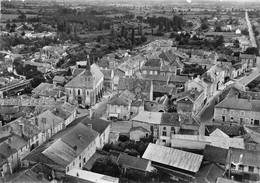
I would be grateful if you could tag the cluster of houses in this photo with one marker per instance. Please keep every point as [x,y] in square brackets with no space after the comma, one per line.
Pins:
[48,140]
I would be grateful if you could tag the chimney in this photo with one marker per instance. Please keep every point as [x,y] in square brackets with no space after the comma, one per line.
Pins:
[21,128]
[79,137]
[89,126]
[36,121]
[10,140]
[63,126]
[75,148]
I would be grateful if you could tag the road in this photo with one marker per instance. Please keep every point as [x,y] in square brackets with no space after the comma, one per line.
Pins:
[250,30]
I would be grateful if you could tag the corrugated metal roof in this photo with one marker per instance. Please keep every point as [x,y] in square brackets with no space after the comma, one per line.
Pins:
[214,141]
[173,157]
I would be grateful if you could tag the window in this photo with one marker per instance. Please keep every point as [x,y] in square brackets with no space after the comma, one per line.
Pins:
[78,92]
[73,163]
[251,169]
[79,165]
[68,169]
[224,111]
[172,128]
[247,120]
[87,92]
[37,136]
[163,140]
[146,135]
[151,72]
[231,118]
[164,133]
[84,160]
[144,71]
[241,167]
[252,121]
[79,156]
[70,91]
[155,73]
[232,112]
[164,128]
[242,113]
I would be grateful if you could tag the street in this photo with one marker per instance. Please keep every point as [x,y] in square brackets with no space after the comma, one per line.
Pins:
[207,113]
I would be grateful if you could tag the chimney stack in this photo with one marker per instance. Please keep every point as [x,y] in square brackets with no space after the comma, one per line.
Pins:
[10,140]
[89,126]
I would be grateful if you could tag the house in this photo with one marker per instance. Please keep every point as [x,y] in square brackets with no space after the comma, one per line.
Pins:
[181,163]
[161,125]
[82,176]
[98,125]
[176,81]
[58,80]
[131,65]
[68,149]
[87,87]
[128,162]
[244,163]
[108,79]
[201,84]
[119,106]
[209,172]
[37,173]
[171,63]
[141,88]
[123,106]
[241,111]
[190,101]
[47,90]
[224,180]
[136,133]
[161,104]
[250,60]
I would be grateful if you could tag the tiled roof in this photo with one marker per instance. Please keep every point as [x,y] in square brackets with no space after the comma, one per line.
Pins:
[17,142]
[107,73]
[224,180]
[59,79]
[215,154]
[209,173]
[6,150]
[98,125]
[239,104]
[171,58]
[132,162]
[163,78]
[153,63]
[139,128]
[132,83]
[64,146]
[231,131]
[191,94]
[51,120]
[42,87]
[9,110]
[170,119]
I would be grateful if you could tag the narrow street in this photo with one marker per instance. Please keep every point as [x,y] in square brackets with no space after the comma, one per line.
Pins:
[207,113]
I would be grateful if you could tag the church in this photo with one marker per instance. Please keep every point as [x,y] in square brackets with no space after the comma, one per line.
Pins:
[87,86]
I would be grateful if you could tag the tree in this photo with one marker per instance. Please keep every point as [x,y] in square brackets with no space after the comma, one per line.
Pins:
[252,51]
[204,26]
[245,32]
[13,26]
[218,28]
[8,26]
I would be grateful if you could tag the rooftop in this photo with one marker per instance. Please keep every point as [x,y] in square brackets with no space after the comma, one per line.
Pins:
[215,154]
[173,157]
[240,104]
[133,162]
